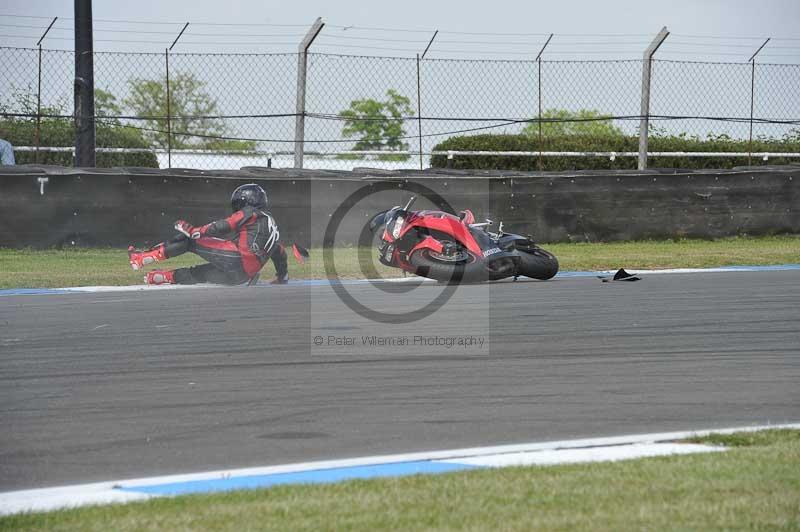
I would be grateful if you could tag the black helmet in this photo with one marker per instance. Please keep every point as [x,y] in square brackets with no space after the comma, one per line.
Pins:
[248,195]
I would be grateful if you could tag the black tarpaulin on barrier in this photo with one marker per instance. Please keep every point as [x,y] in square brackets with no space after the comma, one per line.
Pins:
[118,206]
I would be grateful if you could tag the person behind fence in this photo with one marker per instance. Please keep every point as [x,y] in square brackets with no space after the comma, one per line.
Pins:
[6,152]
[236,247]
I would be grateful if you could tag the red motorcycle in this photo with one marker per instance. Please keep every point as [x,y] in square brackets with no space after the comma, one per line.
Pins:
[450,248]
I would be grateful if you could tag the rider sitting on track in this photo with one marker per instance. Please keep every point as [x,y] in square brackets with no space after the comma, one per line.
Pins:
[236,248]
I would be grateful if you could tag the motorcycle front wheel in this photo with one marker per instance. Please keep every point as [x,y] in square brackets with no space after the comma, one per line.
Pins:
[426,264]
[537,263]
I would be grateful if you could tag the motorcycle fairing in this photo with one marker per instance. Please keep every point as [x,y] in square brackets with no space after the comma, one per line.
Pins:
[445,223]
[379,220]
[427,243]
[512,241]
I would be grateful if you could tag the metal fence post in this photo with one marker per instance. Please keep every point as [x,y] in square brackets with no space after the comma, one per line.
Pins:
[419,96]
[539,93]
[752,62]
[38,108]
[84,85]
[169,114]
[300,107]
[419,114]
[644,116]
[169,111]
[39,92]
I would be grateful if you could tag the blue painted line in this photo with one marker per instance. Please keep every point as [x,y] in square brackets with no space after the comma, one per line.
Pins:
[718,269]
[325,282]
[348,282]
[321,476]
[568,274]
[775,268]
[578,274]
[31,291]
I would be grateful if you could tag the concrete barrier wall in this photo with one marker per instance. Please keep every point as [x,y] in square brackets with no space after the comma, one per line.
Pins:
[116,207]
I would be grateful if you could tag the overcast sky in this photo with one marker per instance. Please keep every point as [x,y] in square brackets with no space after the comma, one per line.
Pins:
[590,29]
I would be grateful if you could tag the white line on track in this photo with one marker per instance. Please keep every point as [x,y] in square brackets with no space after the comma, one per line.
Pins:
[545,453]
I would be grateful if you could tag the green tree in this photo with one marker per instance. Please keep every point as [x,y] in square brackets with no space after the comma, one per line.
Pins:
[60,132]
[378,124]
[106,104]
[190,107]
[588,122]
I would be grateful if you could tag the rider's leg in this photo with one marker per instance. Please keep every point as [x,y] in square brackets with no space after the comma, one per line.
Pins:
[223,255]
[278,256]
[172,248]
[207,273]
[224,262]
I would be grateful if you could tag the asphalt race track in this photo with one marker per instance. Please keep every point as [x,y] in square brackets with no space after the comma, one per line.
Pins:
[105,386]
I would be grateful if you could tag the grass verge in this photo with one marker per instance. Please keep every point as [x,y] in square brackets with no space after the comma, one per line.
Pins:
[754,486]
[85,267]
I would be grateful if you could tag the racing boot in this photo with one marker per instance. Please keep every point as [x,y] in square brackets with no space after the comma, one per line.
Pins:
[138,258]
[160,277]
[278,257]
[280,279]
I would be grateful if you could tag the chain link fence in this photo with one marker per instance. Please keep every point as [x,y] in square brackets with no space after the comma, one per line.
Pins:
[228,111]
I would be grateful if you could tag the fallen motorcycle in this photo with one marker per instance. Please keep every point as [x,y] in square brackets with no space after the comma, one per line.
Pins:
[450,248]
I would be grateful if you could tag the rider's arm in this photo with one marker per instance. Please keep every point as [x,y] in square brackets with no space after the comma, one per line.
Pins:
[220,228]
[229,225]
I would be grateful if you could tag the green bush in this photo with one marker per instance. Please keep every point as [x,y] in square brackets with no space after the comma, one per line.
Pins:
[609,143]
[59,132]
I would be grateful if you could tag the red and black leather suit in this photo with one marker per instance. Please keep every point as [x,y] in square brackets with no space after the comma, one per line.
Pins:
[236,249]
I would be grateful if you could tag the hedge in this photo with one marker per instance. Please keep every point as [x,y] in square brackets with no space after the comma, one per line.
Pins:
[619,143]
[60,132]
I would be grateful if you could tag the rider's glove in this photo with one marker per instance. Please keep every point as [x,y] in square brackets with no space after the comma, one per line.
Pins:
[182,226]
